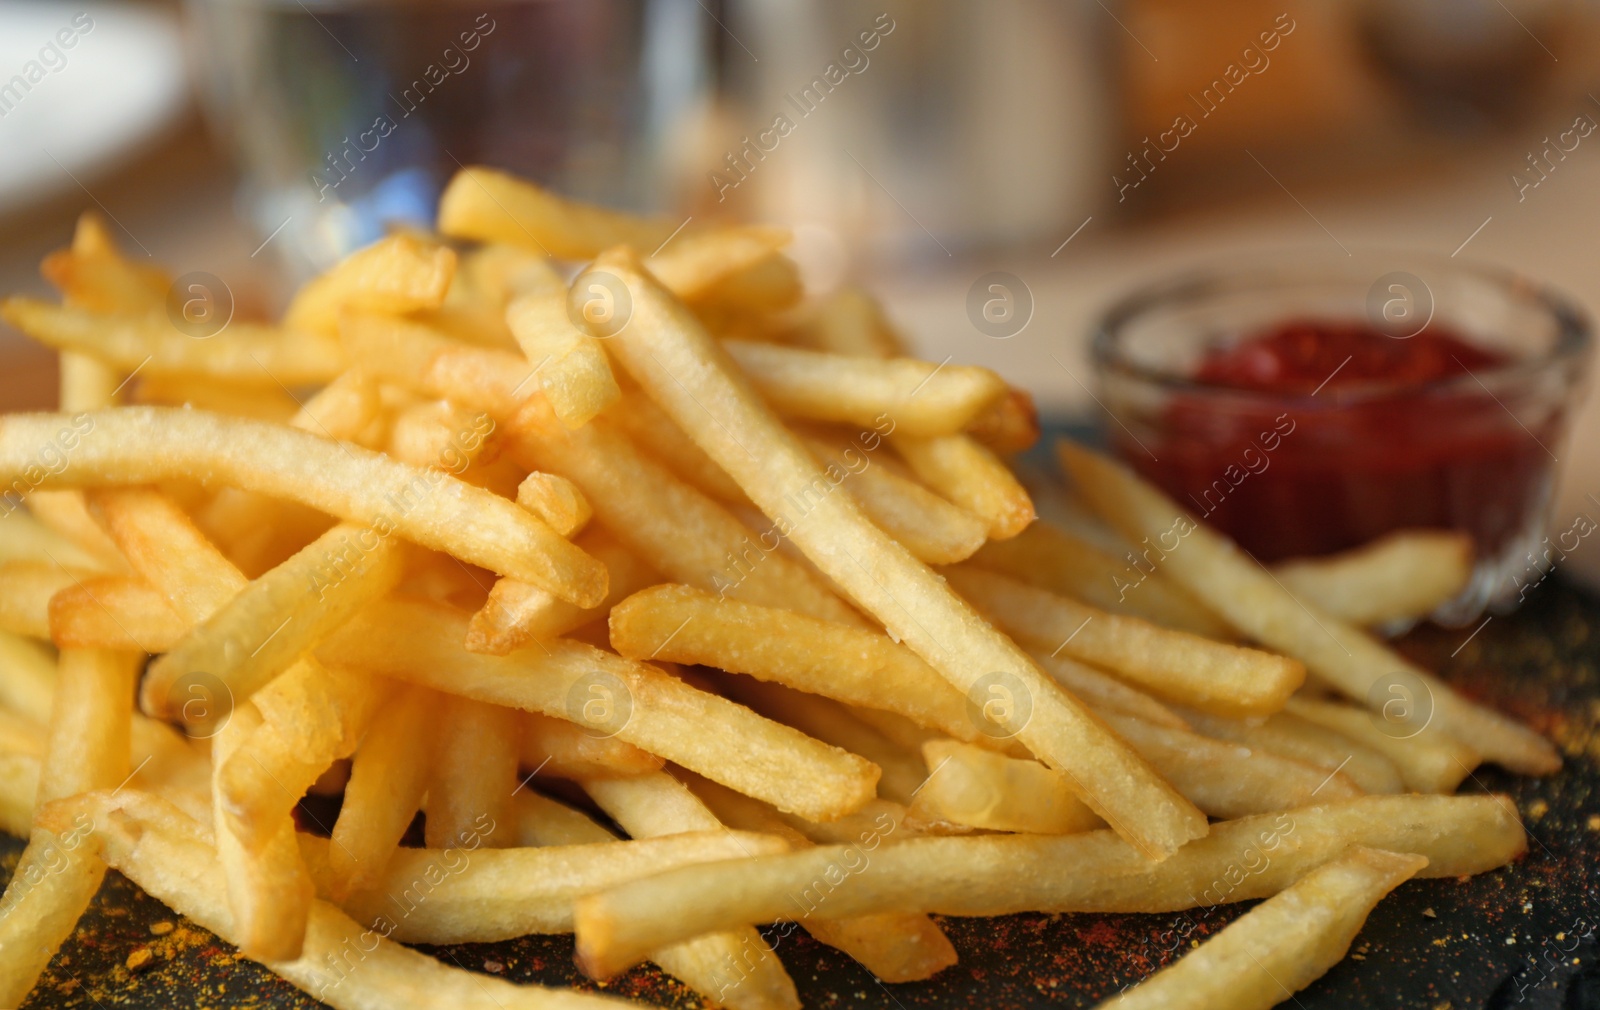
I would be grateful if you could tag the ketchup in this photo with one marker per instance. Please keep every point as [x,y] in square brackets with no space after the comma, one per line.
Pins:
[1338,434]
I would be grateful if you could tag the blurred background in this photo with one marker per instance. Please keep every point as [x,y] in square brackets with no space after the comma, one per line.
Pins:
[1078,147]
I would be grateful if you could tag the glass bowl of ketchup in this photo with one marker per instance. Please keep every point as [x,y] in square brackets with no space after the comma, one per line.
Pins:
[1306,406]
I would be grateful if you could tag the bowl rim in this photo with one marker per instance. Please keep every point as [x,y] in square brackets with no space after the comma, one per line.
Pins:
[1266,270]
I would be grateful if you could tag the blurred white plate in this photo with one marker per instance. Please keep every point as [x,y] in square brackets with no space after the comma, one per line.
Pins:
[88,104]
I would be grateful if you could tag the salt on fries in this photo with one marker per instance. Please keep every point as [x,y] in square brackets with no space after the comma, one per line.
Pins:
[469,565]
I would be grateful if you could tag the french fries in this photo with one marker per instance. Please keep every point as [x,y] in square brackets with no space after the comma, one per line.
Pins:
[145,444]
[999,874]
[1174,665]
[1282,945]
[1399,577]
[667,352]
[1252,600]
[662,536]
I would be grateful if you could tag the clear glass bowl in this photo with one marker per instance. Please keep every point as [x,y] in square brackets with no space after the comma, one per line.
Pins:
[1307,473]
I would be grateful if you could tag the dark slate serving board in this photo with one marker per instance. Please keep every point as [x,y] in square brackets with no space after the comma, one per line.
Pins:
[1433,944]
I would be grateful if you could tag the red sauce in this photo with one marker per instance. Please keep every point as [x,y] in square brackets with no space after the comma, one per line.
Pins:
[1348,442]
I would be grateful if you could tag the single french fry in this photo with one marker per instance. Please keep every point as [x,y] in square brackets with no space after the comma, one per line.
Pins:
[655,805]
[27,678]
[972,477]
[931,528]
[1009,425]
[517,613]
[850,321]
[1048,556]
[490,206]
[1282,945]
[682,624]
[922,398]
[668,524]
[1254,601]
[249,353]
[1104,692]
[1253,857]
[1226,779]
[573,371]
[1175,665]
[634,702]
[542,821]
[1400,577]
[970,787]
[1427,762]
[19,787]
[770,284]
[171,858]
[25,591]
[387,779]
[117,612]
[24,538]
[93,274]
[682,368]
[266,403]
[417,358]
[470,893]
[397,274]
[694,263]
[269,889]
[647,426]
[311,717]
[557,501]
[167,550]
[1303,740]
[895,948]
[272,620]
[60,870]
[563,749]
[143,444]
[473,775]
[826,720]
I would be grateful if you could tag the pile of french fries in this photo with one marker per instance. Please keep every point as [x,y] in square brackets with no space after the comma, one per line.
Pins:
[677,604]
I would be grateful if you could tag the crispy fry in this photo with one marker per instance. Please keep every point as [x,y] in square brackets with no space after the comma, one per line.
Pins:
[557,501]
[1303,740]
[634,702]
[61,868]
[563,749]
[1009,425]
[481,203]
[572,368]
[517,613]
[142,444]
[1047,556]
[1400,577]
[414,357]
[25,591]
[171,858]
[467,893]
[922,398]
[261,630]
[1427,762]
[1105,692]
[972,477]
[387,780]
[1282,945]
[682,624]
[1000,874]
[895,948]
[658,435]
[1253,601]
[1175,665]
[543,821]
[669,525]
[667,352]
[117,612]
[396,275]
[970,787]
[250,353]
[473,775]
[269,889]
[164,547]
